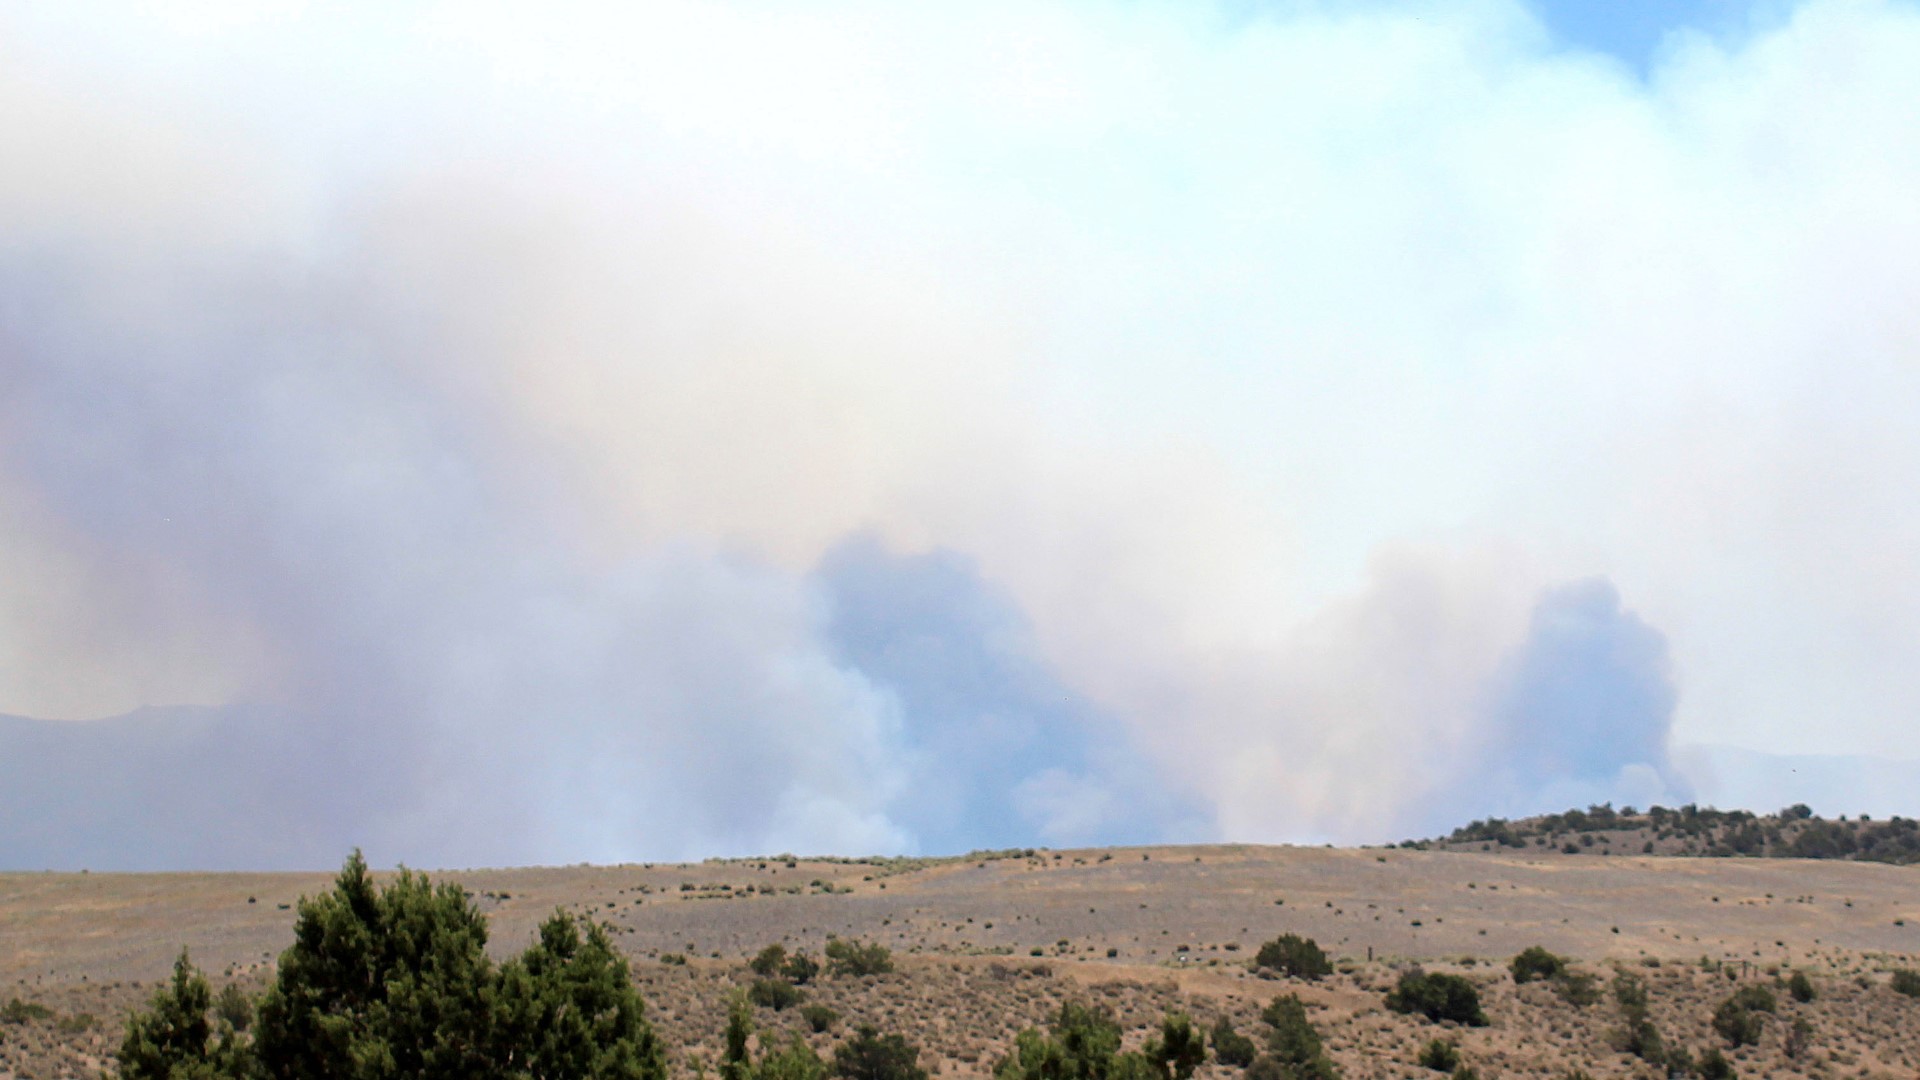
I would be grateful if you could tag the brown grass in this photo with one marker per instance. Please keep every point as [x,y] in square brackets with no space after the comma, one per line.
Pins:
[963,934]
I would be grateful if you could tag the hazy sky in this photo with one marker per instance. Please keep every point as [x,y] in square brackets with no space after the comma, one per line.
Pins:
[612,431]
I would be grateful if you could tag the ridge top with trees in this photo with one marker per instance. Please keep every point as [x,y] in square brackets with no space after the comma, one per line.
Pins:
[1795,832]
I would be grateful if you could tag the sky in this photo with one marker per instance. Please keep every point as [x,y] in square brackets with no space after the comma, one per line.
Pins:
[490,434]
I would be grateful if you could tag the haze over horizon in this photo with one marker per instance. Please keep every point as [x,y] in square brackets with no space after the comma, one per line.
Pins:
[615,432]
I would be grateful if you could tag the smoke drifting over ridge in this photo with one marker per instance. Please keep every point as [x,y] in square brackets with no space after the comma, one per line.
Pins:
[665,435]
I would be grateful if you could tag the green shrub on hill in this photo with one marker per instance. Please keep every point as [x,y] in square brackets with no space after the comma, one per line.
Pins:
[1294,956]
[1440,1056]
[857,958]
[1438,997]
[775,994]
[870,1055]
[1229,1046]
[1536,963]
[1294,1047]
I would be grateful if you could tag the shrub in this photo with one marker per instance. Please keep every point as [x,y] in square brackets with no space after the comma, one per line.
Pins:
[1639,1037]
[1906,981]
[1266,1067]
[1715,1066]
[1536,963]
[1081,1042]
[1293,1046]
[19,1012]
[775,994]
[1577,988]
[1440,1056]
[1798,1038]
[1179,1049]
[1438,997]
[736,1062]
[1294,956]
[769,961]
[819,1018]
[1737,1023]
[1800,988]
[800,969]
[1229,1046]
[233,1006]
[857,958]
[872,1056]
[76,1024]
[1629,992]
[796,1061]
[1756,998]
[172,1039]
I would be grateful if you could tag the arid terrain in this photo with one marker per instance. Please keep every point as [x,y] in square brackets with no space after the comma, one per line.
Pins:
[986,946]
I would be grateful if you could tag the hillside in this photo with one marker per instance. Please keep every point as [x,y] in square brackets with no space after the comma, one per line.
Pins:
[990,944]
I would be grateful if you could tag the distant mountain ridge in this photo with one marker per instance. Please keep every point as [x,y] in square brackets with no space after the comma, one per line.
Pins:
[165,788]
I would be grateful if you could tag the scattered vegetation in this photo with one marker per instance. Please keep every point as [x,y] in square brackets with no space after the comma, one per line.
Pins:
[1793,833]
[1083,1043]
[1637,1034]
[959,1003]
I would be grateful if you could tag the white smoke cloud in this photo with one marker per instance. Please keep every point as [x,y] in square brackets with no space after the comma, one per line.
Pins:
[498,379]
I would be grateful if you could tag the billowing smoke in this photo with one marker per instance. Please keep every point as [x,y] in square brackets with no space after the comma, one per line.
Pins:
[662,431]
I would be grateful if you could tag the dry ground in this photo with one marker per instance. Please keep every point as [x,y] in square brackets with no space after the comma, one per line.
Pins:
[1181,923]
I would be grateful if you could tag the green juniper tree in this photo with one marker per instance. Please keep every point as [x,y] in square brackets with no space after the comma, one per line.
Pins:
[565,1008]
[394,983]
[174,1040]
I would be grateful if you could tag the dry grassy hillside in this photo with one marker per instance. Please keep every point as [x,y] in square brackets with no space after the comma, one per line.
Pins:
[987,946]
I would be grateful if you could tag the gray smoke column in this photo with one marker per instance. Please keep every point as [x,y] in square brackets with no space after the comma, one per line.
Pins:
[490,435]
[480,692]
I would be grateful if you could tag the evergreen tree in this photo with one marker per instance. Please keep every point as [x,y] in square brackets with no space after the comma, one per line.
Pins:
[735,1061]
[567,1009]
[1179,1049]
[872,1056]
[1229,1046]
[174,1040]
[796,1061]
[381,984]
